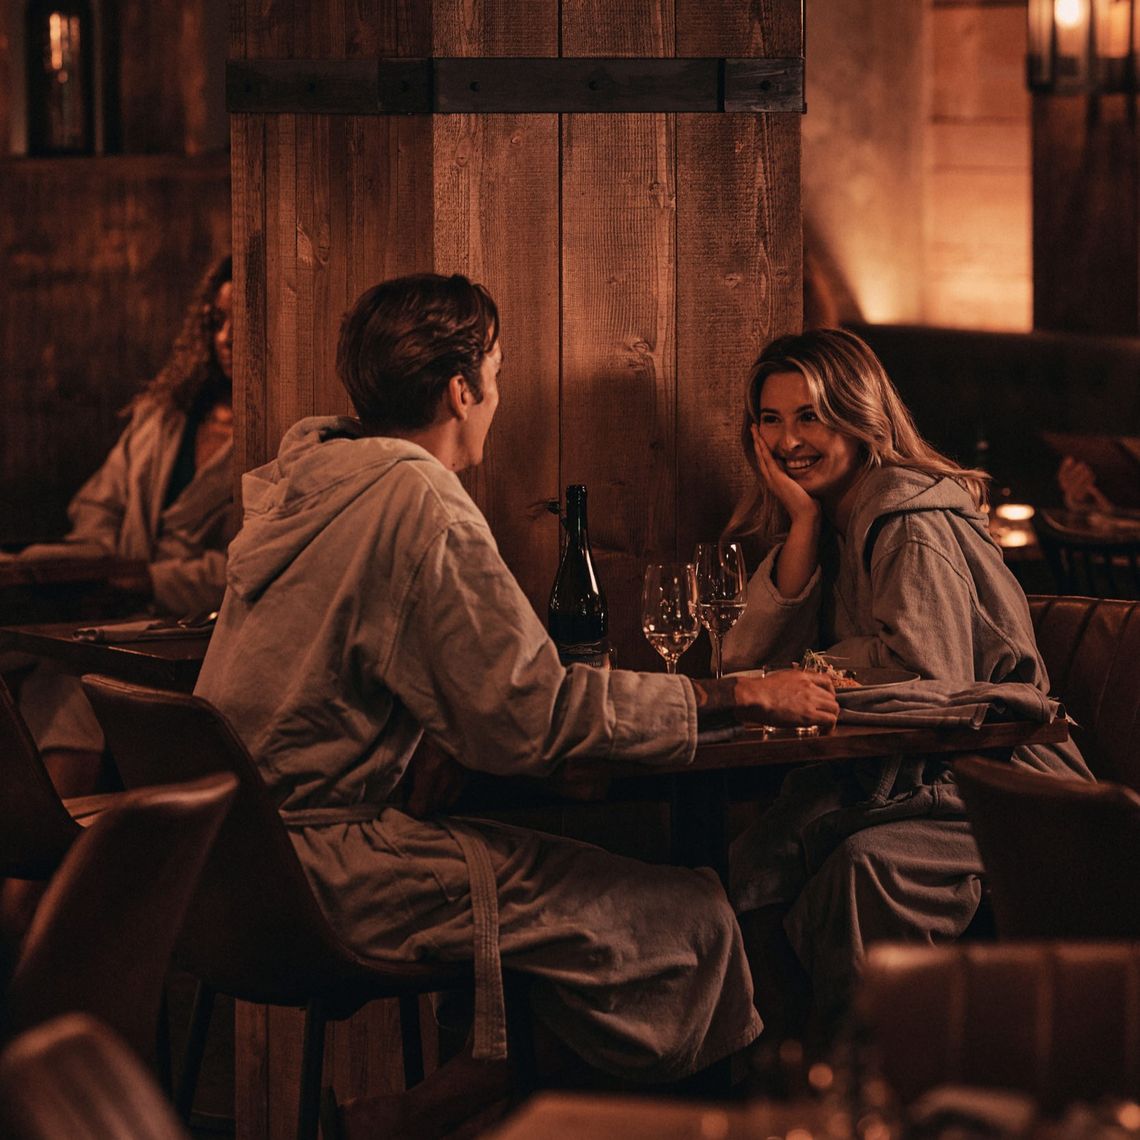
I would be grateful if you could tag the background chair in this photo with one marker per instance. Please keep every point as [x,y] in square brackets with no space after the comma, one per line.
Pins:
[254,930]
[73,1077]
[1054,1019]
[1083,562]
[102,935]
[1062,857]
[1091,648]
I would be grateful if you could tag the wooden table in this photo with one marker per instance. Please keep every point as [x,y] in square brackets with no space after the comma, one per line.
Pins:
[164,664]
[699,793]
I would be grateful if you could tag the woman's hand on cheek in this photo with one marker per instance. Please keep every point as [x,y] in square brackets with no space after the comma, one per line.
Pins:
[794,499]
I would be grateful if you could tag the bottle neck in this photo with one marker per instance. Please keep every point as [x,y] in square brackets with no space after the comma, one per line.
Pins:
[576,530]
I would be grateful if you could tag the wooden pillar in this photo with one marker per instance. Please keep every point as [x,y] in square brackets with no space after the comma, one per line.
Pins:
[639,262]
[1086,214]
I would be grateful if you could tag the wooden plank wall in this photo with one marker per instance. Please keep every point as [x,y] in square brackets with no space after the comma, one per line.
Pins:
[96,280]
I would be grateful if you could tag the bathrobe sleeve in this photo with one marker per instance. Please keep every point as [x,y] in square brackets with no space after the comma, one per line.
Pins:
[773,630]
[474,665]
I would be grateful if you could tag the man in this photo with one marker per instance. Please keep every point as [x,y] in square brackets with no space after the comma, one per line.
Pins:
[367,605]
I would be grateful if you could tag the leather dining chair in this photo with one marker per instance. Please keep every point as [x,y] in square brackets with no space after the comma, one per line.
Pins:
[73,1077]
[254,930]
[1086,563]
[36,827]
[102,935]
[1062,856]
[1053,1019]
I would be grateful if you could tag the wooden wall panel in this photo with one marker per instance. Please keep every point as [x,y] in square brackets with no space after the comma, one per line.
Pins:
[93,297]
[739,250]
[618,406]
[496,195]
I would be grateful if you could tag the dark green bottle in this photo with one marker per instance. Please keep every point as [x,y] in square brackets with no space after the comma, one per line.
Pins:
[578,619]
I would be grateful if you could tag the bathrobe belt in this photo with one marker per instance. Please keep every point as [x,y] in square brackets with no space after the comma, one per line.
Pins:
[490,1042]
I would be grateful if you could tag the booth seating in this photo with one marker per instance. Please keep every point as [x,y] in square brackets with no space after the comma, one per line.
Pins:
[1056,1020]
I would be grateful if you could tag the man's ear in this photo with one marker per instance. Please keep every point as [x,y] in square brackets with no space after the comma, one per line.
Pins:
[458,397]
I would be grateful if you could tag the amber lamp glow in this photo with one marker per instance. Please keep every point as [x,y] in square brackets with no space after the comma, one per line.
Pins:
[1083,46]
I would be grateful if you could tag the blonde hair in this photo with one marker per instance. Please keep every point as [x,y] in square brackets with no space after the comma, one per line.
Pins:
[852,394]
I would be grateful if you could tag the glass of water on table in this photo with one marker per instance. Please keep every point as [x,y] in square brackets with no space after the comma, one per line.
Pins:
[669,609]
[720,591]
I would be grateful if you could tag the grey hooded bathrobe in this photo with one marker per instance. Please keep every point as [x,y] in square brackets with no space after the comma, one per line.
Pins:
[875,851]
[366,604]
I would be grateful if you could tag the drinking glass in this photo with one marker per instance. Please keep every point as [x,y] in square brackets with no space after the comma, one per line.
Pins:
[720,591]
[669,609]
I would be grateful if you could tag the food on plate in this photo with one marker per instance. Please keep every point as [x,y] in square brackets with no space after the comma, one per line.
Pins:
[818,663]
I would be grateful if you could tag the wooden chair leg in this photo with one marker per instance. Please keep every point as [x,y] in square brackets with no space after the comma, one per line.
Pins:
[411,1039]
[200,1014]
[520,1033]
[312,1062]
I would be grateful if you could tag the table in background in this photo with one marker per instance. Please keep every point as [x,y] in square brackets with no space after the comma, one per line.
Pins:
[172,663]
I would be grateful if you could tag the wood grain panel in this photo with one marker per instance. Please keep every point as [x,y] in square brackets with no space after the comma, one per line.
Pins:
[618,419]
[251,1088]
[93,297]
[739,256]
[496,200]
[1086,213]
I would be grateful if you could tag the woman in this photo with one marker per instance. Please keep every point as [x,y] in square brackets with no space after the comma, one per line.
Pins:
[163,499]
[880,553]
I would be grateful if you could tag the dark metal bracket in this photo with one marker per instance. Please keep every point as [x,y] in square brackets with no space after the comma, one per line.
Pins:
[514,85]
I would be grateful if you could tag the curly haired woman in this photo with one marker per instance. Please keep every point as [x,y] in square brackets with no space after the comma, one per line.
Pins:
[163,500]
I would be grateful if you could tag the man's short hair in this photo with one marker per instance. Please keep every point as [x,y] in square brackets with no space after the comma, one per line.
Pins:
[404,339]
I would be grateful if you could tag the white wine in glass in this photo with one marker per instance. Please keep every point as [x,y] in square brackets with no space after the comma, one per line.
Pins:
[669,609]
[720,591]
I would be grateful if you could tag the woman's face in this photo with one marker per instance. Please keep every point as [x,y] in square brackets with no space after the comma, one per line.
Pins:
[822,461]
[222,324]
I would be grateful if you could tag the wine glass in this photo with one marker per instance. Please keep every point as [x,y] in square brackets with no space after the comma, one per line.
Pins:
[720,591]
[669,609]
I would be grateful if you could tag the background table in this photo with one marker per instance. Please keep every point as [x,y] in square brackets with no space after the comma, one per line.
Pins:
[172,663]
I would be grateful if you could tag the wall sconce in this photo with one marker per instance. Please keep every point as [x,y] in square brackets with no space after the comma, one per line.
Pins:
[1083,46]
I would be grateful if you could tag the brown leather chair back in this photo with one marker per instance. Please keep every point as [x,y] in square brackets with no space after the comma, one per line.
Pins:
[36,830]
[1053,1019]
[73,1077]
[1062,856]
[103,933]
[254,929]
[1091,647]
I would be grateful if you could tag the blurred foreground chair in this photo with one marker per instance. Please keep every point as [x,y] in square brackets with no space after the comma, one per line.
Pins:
[1091,647]
[1085,563]
[254,930]
[36,827]
[1054,1019]
[1062,856]
[102,935]
[73,1077]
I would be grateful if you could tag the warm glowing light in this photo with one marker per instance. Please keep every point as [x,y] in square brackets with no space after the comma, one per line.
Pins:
[55,33]
[1013,538]
[1014,512]
[1070,13]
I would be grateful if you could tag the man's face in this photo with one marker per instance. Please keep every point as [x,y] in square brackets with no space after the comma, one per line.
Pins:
[479,416]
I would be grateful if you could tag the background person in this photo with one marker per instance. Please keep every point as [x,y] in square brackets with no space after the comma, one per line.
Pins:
[366,587]
[879,552]
[164,499]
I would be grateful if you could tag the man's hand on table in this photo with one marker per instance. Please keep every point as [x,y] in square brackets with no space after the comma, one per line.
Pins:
[789,698]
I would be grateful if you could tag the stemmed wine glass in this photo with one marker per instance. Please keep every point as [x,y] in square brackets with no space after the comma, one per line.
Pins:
[720,591]
[669,609]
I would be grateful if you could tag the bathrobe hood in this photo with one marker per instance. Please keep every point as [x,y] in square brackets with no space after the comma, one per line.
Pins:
[891,491]
[289,502]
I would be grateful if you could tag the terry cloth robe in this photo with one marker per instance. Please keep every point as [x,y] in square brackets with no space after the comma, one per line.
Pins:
[367,603]
[119,512]
[919,585]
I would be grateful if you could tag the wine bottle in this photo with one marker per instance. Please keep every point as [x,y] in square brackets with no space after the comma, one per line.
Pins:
[60,51]
[577,617]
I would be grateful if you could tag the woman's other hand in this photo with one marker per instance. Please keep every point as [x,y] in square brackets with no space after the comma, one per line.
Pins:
[1078,485]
